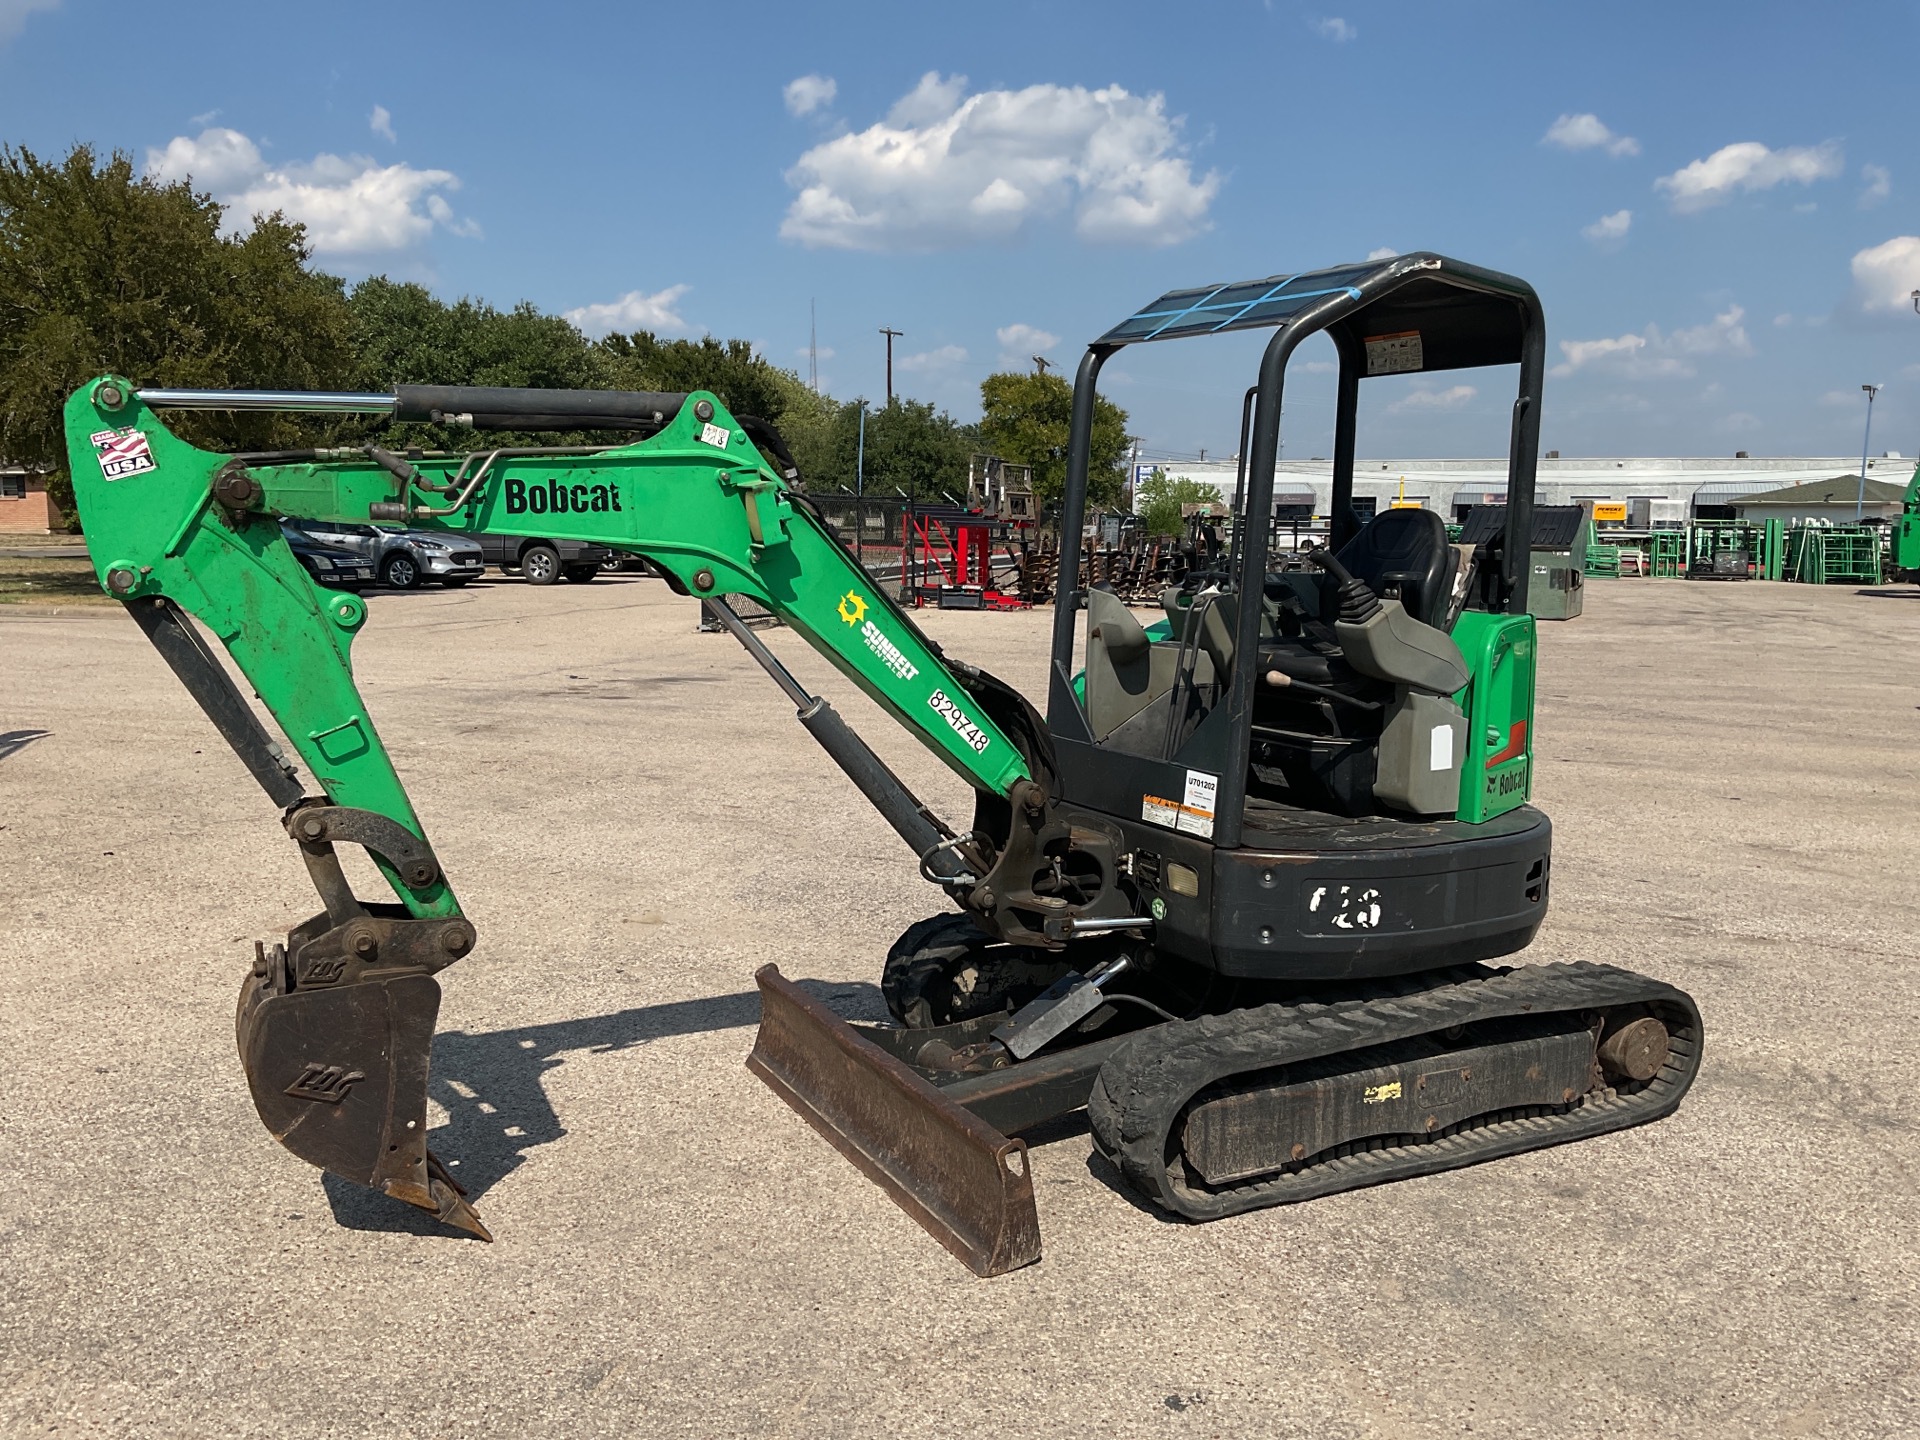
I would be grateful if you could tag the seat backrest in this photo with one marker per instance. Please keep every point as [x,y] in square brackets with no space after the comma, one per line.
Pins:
[1408,548]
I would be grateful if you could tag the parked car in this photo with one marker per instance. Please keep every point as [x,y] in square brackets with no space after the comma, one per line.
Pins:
[332,565]
[542,562]
[625,562]
[402,559]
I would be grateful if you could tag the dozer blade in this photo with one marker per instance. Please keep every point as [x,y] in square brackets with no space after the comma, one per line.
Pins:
[964,1181]
[339,1075]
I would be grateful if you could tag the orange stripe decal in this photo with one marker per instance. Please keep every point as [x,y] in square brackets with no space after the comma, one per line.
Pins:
[1516,745]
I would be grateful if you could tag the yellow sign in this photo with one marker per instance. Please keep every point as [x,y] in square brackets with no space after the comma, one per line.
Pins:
[1380,1094]
[1610,510]
[852,608]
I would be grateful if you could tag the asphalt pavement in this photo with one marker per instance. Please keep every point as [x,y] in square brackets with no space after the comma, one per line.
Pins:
[635,823]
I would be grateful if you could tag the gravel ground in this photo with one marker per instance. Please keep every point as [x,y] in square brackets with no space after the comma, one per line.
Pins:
[636,823]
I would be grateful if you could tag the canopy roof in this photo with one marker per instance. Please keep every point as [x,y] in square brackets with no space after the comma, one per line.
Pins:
[1414,312]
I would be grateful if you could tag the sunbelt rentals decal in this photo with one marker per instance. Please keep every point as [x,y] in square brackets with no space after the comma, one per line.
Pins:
[957,718]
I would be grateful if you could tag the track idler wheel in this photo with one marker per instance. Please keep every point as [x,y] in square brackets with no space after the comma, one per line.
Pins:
[336,1048]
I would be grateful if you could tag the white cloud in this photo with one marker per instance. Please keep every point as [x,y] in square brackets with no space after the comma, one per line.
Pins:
[351,205]
[1335,29]
[824,352]
[1652,355]
[1749,165]
[1879,185]
[1451,398]
[205,118]
[1020,343]
[943,358]
[635,310]
[946,168]
[1782,321]
[1609,227]
[1586,132]
[14,13]
[1887,274]
[1382,252]
[381,123]
[809,93]
[1844,399]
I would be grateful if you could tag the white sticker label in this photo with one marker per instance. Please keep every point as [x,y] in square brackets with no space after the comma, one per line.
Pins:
[122,453]
[711,434]
[957,718]
[1394,354]
[1196,811]
[1440,748]
[888,652]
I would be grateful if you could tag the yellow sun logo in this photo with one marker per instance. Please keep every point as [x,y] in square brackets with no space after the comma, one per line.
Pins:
[852,608]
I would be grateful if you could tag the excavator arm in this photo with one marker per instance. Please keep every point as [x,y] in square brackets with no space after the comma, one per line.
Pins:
[335,1026]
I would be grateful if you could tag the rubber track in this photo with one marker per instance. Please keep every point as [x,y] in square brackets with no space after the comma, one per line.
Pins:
[1142,1091]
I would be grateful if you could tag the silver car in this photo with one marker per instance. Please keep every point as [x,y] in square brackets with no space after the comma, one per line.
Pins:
[404,559]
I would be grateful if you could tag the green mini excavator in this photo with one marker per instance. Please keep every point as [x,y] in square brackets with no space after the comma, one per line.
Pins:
[1235,894]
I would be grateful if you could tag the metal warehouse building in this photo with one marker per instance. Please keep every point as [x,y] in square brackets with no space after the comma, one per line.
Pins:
[1656,489]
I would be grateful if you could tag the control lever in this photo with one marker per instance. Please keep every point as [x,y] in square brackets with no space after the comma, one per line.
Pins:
[1358,603]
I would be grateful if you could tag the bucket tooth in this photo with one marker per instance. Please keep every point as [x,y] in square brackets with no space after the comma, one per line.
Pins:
[968,1185]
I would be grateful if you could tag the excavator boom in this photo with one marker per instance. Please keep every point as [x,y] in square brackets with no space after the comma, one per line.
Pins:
[335,1027]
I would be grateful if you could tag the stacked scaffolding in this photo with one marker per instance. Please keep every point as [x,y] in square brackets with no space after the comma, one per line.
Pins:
[1834,555]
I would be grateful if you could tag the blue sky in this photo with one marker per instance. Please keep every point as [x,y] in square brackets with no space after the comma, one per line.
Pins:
[1719,203]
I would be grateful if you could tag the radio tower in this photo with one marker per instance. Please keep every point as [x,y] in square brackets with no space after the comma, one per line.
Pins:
[813,346]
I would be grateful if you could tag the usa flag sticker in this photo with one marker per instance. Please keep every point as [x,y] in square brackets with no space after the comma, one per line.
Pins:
[122,453]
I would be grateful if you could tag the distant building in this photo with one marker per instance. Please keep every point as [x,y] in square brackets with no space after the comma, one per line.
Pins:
[1657,491]
[24,502]
[1834,500]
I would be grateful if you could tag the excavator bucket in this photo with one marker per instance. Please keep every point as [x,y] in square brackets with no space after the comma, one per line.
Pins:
[965,1182]
[339,1075]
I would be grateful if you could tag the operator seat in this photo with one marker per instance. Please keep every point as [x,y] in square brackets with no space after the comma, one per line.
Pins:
[1406,551]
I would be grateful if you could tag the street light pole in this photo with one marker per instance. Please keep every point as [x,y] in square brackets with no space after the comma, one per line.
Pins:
[860,454]
[860,489]
[1866,443]
[891,335]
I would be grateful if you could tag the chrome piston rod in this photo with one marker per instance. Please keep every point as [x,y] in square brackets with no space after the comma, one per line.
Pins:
[313,402]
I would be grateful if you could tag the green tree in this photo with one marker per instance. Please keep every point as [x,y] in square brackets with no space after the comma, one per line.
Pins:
[1026,418]
[745,383]
[913,447]
[101,269]
[404,335]
[1160,496]
[811,424]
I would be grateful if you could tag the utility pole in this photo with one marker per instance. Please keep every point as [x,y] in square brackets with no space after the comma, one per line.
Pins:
[891,335]
[1040,364]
